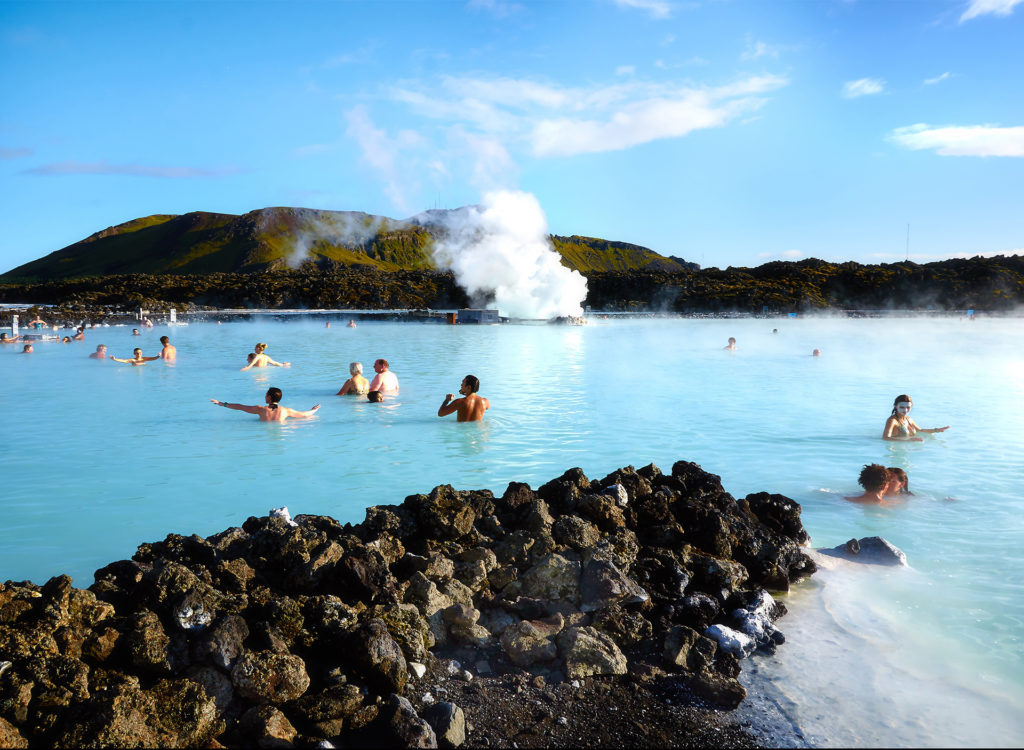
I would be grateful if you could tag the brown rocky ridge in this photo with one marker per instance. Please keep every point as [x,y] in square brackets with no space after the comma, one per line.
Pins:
[586,612]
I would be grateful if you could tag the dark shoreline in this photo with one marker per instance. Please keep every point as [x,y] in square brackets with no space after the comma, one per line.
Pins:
[579,614]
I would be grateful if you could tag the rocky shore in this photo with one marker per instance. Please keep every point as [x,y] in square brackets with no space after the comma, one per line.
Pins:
[585,612]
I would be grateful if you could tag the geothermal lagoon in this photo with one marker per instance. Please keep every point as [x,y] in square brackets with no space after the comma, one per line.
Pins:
[100,457]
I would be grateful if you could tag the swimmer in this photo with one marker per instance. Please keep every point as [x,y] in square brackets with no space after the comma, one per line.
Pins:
[273,411]
[136,360]
[6,339]
[262,360]
[28,349]
[80,336]
[471,407]
[876,481]
[899,425]
[100,353]
[775,330]
[147,322]
[816,353]
[66,340]
[135,332]
[374,397]
[351,324]
[901,482]
[327,324]
[356,385]
[386,381]
[731,346]
[168,353]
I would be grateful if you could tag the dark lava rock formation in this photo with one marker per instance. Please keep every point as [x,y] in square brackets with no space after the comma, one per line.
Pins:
[310,633]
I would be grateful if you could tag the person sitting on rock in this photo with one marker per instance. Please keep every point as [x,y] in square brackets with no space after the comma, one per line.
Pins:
[273,411]
[471,407]
[876,481]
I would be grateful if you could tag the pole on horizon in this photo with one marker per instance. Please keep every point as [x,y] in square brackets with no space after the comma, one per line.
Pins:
[14,325]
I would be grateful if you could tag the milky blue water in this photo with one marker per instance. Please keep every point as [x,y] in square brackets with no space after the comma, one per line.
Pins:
[98,457]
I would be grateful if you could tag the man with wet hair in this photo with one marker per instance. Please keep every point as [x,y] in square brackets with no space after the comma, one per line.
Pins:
[385,381]
[470,407]
[100,353]
[875,479]
[169,353]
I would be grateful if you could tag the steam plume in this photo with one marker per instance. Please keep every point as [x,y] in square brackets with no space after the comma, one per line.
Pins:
[501,255]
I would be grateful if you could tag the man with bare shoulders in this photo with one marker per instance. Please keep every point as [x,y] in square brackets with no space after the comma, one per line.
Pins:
[876,481]
[385,381]
[168,353]
[273,411]
[470,407]
[100,353]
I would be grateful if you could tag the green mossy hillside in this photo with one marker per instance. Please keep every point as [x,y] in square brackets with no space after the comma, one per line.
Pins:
[278,238]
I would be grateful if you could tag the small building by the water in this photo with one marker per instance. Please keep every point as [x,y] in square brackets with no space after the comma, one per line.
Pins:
[478,316]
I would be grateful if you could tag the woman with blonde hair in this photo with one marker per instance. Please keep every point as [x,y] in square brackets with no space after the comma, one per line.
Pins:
[262,360]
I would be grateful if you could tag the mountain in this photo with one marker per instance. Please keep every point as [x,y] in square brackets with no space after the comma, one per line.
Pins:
[276,238]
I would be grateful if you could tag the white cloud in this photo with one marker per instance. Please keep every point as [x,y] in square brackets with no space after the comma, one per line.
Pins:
[15,153]
[381,152]
[625,70]
[669,114]
[965,140]
[756,50]
[936,79]
[657,8]
[977,8]
[863,87]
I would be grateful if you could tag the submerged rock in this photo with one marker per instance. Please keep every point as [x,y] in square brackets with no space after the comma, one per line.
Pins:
[872,550]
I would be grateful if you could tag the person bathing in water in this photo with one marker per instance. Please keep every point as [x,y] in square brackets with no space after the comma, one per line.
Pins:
[470,407]
[273,411]
[900,482]
[386,381]
[136,360]
[876,481]
[262,360]
[731,346]
[899,425]
[356,385]
[169,353]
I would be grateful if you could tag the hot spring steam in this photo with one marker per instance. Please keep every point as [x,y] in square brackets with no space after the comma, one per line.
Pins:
[500,254]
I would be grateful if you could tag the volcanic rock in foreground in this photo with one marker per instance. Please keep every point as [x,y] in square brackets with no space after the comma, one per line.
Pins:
[274,635]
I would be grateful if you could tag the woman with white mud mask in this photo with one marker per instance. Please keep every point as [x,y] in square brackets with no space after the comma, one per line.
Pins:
[899,425]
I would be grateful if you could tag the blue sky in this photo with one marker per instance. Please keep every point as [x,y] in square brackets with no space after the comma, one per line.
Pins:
[722,131]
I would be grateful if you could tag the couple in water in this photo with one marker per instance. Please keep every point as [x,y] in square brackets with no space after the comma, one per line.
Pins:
[881,483]
[385,383]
